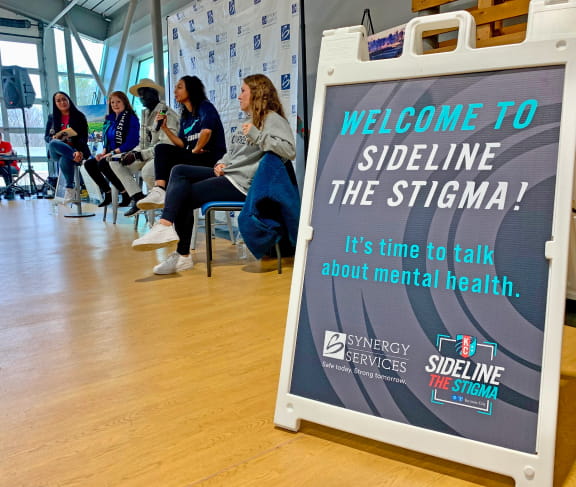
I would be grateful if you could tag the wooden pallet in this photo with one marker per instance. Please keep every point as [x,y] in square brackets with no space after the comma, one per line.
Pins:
[498,22]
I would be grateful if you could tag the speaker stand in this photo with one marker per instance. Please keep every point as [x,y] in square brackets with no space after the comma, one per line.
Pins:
[29,171]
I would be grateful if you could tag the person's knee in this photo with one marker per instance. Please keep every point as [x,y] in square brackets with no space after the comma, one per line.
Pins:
[148,174]
[116,167]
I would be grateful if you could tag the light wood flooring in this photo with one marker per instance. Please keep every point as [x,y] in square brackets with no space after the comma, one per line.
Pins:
[113,377]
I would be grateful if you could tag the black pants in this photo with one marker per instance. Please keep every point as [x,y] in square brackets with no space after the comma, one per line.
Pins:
[167,156]
[191,187]
[99,169]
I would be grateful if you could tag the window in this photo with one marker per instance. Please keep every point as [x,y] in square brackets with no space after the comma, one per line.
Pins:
[144,68]
[87,90]
[19,54]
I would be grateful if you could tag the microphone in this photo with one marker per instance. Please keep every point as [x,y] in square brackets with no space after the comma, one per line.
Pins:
[159,123]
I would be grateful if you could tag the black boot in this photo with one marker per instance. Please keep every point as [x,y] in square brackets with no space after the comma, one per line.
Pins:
[124,199]
[134,209]
[107,199]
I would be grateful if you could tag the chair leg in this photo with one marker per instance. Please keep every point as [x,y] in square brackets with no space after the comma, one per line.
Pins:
[230,228]
[77,197]
[279,257]
[195,229]
[114,204]
[208,225]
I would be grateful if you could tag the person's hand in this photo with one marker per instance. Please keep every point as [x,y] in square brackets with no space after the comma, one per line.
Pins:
[246,128]
[129,157]
[197,151]
[161,120]
[219,169]
[100,156]
[78,156]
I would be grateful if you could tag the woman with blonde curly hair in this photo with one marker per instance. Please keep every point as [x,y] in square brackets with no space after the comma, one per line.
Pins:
[265,130]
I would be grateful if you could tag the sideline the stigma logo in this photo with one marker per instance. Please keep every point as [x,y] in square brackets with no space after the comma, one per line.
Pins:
[334,345]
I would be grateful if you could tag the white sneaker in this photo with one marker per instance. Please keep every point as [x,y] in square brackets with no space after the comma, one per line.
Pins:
[159,236]
[154,199]
[69,196]
[174,263]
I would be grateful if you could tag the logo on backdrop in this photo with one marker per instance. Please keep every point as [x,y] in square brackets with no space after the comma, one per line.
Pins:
[210,15]
[257,42]
[285,82]
[191,25]
[294,9]
[269,19]
[233,49]
[232,7]
[233,92]
[175,33]
[211,59]
[457,381]
[175,68]
[270,66]
[285,32]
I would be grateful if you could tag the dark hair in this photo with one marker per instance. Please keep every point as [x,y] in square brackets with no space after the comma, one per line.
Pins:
[263,98]
[57,114]
[196,92]
[124,99]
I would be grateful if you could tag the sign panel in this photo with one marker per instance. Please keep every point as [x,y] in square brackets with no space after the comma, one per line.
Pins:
[424,291]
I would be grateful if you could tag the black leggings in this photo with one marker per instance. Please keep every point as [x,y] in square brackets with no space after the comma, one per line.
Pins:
[191,187]
[167,156]
[99,169]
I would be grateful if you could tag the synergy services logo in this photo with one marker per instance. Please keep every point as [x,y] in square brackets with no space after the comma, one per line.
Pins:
[334,345]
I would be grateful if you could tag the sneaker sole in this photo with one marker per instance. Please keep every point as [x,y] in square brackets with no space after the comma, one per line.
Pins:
[150,206]
[153,246]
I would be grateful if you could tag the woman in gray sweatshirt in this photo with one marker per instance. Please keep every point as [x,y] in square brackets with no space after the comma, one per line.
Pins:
[266,130]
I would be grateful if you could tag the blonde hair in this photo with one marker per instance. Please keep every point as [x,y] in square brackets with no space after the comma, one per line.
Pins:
[263,98]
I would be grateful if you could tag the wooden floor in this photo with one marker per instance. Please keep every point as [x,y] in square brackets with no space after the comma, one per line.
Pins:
[113,377]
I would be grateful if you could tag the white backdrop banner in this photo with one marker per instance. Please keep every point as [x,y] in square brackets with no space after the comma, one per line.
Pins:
[223,41]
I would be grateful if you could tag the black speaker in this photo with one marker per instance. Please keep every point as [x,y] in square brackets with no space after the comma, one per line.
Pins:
[17,87]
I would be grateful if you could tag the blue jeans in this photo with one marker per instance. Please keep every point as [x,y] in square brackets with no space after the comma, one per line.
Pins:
[63,154]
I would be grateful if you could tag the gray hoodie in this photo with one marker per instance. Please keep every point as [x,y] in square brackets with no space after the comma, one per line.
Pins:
[246,150]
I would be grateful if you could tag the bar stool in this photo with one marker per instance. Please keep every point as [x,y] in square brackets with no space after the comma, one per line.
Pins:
[77,200]
[114,195]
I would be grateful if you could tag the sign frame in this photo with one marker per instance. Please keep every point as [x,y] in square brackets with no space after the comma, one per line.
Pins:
[550,41]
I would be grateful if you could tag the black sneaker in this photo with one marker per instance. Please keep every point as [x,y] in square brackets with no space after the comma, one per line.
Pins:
[132,211]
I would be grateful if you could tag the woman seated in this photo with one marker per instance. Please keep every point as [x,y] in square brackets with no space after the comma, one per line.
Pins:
[65,149]
[121,133]
[229,180]
[200,140]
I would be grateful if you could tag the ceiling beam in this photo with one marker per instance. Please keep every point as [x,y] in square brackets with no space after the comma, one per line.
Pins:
[88,23]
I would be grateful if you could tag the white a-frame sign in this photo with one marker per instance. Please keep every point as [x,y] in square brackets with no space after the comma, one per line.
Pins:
[427,303]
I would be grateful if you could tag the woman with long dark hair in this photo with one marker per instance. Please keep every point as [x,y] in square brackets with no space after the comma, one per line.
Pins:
[190,187]
[67,150]
[121,134]
[200,140]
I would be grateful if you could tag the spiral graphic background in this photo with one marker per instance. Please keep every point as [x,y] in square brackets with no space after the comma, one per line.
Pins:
[416,315]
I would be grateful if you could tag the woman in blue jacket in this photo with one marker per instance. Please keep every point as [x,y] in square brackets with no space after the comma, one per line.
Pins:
[121,134]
